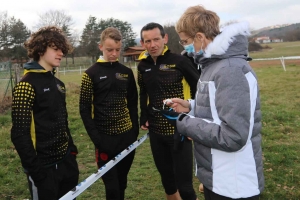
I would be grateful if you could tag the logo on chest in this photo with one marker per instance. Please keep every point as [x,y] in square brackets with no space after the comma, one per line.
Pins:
[122,77]
[165,67]
[61,88]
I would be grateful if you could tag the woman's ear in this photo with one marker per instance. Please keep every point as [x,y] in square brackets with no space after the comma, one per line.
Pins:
[200,36]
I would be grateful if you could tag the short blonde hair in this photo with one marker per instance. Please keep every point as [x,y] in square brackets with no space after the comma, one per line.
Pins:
[111,33]
[197,19]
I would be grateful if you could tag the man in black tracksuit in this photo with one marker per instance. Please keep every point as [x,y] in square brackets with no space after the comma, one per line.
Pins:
[40,130]
[163,75]
[108,108]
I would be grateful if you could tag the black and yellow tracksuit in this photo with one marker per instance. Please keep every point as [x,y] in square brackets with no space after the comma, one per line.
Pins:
[171,76]
[108,108]
[40,130]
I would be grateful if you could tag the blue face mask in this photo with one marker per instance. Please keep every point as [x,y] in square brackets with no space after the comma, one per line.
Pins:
[200,52]
[191,49]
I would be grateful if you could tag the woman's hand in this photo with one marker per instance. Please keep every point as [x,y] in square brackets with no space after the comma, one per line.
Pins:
[178,105]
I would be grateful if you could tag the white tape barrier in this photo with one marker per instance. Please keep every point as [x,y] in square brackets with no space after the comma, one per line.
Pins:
[279,58]
[92,178]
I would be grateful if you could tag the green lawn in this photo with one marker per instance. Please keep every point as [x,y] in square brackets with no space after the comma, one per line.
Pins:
[280,105]
[278,50]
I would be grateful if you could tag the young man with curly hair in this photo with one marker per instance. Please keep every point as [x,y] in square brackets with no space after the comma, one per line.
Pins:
[40,130]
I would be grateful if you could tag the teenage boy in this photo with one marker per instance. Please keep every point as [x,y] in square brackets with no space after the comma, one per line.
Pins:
[108,108]
[40,130]
[163,75]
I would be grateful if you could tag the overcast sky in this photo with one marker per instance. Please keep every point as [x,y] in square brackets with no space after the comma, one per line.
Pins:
[260,13]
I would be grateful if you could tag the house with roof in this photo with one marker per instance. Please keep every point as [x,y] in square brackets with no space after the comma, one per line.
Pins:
[266,39]
[132,53]
[262,40]
[276,40]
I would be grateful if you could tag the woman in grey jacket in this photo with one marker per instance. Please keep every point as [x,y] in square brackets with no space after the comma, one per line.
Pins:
[224,120]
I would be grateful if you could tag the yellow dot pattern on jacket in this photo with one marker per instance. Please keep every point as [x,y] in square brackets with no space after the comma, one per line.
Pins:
[87,92]
[43,118]
[106,103]
[22,106]
[162,80]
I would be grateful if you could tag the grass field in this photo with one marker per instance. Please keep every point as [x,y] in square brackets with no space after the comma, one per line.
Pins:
[278,50]
[280,105]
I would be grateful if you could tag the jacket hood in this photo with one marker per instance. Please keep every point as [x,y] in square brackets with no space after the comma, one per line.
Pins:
[231,42]
[145,53]
[33,67]
[102,60]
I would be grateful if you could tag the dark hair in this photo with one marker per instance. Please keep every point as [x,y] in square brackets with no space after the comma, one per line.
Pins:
[48,36]
[151,26]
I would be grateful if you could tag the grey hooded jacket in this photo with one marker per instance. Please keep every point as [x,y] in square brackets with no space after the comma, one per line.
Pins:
[225,120]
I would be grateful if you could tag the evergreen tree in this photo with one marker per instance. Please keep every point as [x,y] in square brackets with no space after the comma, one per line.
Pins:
[90,37]
[124,27]
[19,34]
[13,33]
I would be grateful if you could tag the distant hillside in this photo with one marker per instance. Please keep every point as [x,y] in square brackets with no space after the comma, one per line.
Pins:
[276,32]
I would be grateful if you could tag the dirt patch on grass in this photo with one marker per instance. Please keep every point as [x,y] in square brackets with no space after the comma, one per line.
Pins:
[5,104]
[271,63]
[73,88]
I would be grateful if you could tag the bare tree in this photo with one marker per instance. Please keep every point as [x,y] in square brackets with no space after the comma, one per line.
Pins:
[4,36]
[293,35]
[60,19]
[4,30]
[3,17]
[54,18]
[74,41]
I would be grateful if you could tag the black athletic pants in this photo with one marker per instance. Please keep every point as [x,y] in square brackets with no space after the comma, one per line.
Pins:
[210,195]
[175,167]
[115,180]
[61,178]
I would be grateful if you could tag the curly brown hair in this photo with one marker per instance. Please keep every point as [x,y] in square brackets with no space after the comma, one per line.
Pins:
[48,36]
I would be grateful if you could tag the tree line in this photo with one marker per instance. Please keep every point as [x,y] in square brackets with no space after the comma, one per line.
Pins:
[13,33]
